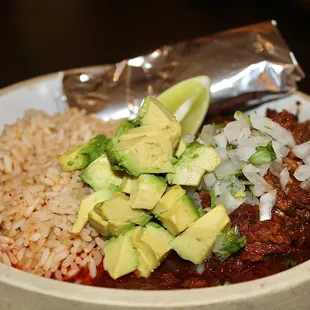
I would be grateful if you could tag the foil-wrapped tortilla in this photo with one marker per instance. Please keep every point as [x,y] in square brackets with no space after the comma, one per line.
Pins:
[247,66]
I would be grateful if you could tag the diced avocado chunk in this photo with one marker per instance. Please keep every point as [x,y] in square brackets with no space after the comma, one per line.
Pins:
[135,234]
[196,243]
[125,125]
[116,228]
[82,155]
[172,195]
[99,224]
[181,148]
[87,205]
[167,134]
[153,112]
[127,183]
[157,238]
[99,175]
[196,160]
[146,191]
[182,214]
[107,228]
[147,261]
[140,155]
[118,209]
[120,257]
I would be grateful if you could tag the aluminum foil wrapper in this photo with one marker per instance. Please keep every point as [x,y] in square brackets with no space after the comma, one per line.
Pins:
[247,66]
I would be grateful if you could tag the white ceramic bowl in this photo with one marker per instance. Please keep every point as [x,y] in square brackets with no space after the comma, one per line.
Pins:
[19,290]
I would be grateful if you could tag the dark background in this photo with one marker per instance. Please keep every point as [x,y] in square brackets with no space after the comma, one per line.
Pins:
[39,37]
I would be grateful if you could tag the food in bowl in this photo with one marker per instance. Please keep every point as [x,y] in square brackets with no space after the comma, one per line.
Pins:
[148,209]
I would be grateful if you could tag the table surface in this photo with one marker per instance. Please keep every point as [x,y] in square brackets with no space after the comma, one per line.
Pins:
[40,37]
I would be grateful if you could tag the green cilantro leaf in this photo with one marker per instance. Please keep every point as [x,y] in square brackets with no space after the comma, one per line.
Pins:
[263,154]
[232,242]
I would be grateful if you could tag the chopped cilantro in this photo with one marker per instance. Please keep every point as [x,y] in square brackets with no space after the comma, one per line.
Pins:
[238,173]
[291,263]
[212,196]
[239,194]
[268,127]
[263,154]
[232,242]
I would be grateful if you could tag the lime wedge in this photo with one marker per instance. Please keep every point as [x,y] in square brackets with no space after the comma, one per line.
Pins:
[188,101]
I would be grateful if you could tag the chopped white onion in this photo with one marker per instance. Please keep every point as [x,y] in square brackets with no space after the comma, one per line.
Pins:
[251,199]
[222,152]
[302,150]
[305,185]
[194,195]
[302,173]
[220,140]
[263,168]
[200,268]
[273,129]
[218,243]
[227,199]
[233,155]
[207,134]
[236,130]
[250,169]
[276,167]
[307,160]
[255,141]
[266,203]
[260,184]
[280,150]
[225,169]
[209,180]
[245,152]
[284,178]
[189,138]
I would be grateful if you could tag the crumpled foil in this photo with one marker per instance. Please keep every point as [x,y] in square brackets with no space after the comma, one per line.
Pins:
[247,66]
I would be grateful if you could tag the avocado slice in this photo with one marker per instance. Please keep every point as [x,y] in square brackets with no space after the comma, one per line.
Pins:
[181,148]
[153,246]
[196,160]
[99,175]
[196,243]
[118,209]
[154,112]
[135,234]
[146,191]
[147,261]
[120,256]
[139,155]
[82,155]
[182,214]
[87,205]
[167,134]
[127,183]
[99,224]
[172,195]
[157,238]
[125,125]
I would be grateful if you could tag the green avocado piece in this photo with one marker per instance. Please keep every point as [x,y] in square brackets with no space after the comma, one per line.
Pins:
[196,243]
[154,112]
[168,134]
[120,256]
[116,228]
[118,209]
[172,195]
[125,126]
[135,234]
[158,239]
[140,155]
[181,148]
[146,191]
[147,261]
[196,160]
[99,224]
[82,155]
[127,183]
[182,214]
[87,205]
[99,175]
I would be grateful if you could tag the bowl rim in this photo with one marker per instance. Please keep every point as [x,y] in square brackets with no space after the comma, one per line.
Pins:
[274,284]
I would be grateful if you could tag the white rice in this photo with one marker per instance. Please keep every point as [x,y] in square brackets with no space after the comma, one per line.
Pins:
[39,202]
